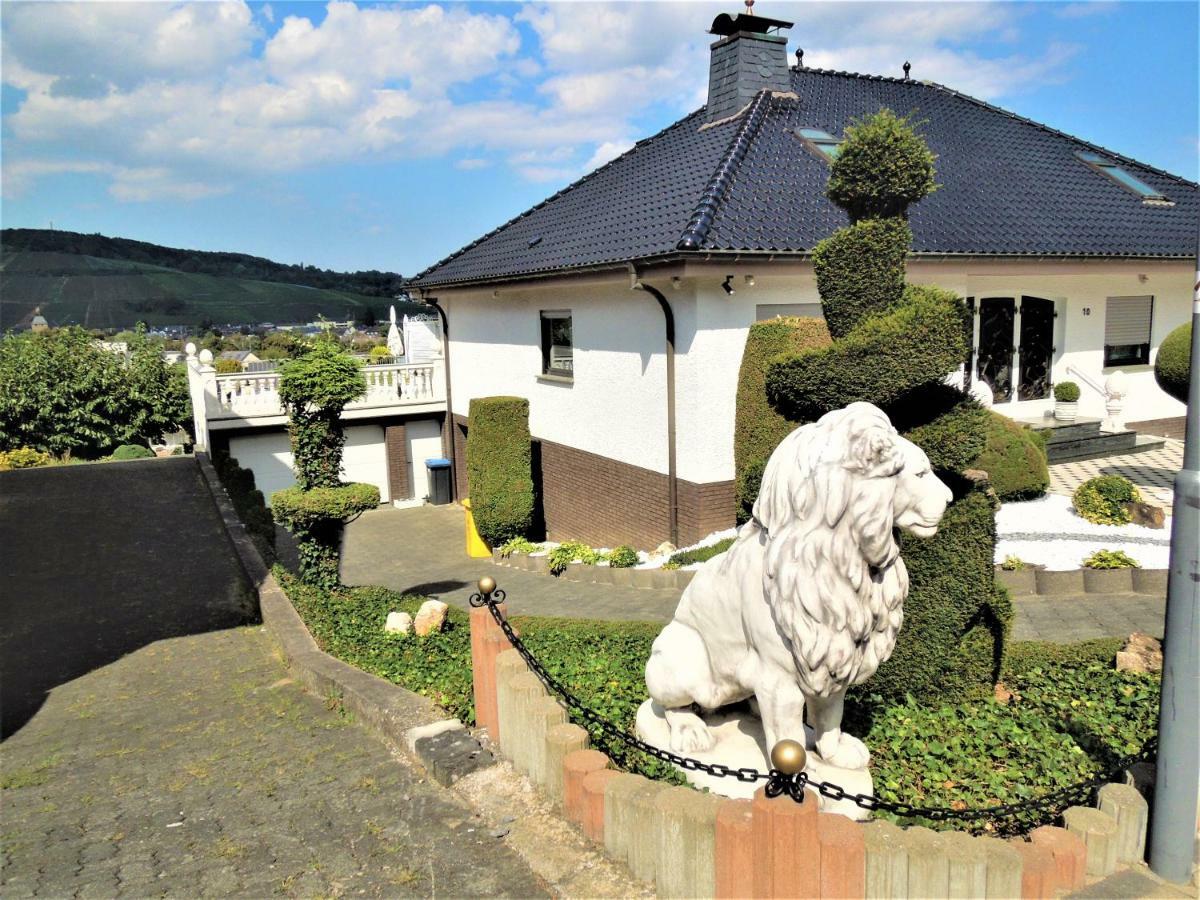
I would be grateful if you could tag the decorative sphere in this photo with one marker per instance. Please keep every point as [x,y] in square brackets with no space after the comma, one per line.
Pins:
[788,757]
[190,349]
[206,356]
[487,585]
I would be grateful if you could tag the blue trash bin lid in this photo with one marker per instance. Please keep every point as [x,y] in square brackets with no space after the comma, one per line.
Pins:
[438,463]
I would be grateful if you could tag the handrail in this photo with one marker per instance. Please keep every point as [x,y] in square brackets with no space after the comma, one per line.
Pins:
[1086,379]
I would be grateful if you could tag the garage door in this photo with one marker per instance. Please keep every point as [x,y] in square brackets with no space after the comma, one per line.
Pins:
[269,457]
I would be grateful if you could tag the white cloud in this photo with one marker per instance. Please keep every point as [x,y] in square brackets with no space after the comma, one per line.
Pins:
[606,152]
[468,165]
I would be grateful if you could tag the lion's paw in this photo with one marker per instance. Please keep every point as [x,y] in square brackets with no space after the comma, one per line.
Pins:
[691,737]
[851,753]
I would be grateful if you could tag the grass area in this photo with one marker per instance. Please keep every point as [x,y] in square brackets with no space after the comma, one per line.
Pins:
[1071,715]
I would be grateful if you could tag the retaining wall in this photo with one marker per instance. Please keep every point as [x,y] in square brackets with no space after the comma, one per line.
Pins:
[692,844]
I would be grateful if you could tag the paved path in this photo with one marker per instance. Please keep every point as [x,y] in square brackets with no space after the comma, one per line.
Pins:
[190,765]
[420,551]
[1153,471]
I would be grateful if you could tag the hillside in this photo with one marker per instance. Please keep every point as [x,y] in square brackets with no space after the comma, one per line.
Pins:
[103,282]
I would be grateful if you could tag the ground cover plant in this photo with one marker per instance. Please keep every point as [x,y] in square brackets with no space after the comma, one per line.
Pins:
[1102,499]
[1111,559]
[1070,717]
[700,554]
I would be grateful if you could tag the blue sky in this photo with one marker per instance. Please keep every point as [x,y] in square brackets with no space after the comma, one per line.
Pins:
[387,135]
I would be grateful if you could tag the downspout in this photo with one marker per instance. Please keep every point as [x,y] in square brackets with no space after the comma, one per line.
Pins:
[449,451]
[669,321]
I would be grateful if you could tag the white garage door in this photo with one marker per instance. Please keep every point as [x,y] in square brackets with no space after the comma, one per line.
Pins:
[269,457]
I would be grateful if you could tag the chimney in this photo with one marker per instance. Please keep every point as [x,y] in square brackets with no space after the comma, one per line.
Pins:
[750,56]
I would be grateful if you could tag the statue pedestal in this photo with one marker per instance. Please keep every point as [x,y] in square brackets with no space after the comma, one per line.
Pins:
[740,743]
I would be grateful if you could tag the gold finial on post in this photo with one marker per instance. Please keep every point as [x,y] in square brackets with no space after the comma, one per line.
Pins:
[486,585]
[789,757]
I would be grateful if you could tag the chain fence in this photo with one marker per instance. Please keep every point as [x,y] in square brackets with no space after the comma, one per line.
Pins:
[793,785]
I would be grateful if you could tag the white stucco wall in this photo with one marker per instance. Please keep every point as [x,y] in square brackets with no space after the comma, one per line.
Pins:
[616,405]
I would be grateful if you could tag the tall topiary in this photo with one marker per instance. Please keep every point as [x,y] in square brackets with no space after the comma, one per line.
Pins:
[893,346]
[499,454]
[315,389]
[1172,365]
[758,428]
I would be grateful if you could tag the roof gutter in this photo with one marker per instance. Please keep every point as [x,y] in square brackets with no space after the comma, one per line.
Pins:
[635,283]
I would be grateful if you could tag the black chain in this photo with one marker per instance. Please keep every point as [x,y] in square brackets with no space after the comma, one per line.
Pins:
[779,783]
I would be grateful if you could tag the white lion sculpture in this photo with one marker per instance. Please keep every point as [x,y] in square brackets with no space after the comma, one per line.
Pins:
[809,599]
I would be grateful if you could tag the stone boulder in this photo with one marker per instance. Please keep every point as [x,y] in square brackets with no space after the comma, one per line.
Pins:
[1141,653]
[398,623]
[431,617]
[1146,514]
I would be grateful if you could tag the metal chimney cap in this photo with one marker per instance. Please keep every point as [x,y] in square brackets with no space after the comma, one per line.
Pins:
[725,24]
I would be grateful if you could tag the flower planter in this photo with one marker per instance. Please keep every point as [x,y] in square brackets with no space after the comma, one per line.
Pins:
[1150,581]
[1066,411]
[1068,582]
[1108,581]
[1018,581]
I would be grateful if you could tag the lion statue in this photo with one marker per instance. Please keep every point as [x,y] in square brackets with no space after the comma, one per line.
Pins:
[810,597]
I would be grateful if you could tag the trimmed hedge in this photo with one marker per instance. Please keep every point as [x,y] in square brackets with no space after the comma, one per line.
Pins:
[249,502]
[758,428]
[1015,459]
[880,361]
[860,271]
[881,167]
[1172,365]
[316,517]
[499,468]
[132,451]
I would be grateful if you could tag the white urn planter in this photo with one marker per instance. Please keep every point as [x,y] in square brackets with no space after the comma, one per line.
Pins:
[1066,410]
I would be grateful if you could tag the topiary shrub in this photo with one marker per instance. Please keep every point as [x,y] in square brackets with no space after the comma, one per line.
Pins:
[1102,499]
[499,453]
[758,428]
[132,451]
[1014,458]
[1066,392]
[1172,365]
[315,388]
[623,557]
[893,346]
[24,458]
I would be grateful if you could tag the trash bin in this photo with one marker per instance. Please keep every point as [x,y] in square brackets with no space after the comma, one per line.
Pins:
[438,471]
[477,548]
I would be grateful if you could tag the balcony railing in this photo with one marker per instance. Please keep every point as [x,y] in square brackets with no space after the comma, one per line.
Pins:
[256,394]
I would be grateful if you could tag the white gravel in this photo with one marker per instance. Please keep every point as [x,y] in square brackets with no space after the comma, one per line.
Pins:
[1048,532]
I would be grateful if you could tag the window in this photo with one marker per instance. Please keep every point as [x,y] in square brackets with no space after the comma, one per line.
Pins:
[557,359]
[820,142]
[1127,322]
[1122,177]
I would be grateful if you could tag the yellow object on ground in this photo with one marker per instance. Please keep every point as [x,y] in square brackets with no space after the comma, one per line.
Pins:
[476,547]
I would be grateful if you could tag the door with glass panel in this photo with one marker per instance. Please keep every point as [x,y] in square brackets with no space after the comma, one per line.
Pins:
[994,363]
[1036,348]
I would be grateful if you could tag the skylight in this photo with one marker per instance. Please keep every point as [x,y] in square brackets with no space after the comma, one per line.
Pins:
[820,141]
[1120,175]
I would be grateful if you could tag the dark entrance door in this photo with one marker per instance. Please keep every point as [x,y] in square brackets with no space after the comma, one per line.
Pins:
[996,318]
[1037,348]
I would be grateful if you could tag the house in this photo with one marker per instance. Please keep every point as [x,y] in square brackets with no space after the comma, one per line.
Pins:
[243,358]
[620,305]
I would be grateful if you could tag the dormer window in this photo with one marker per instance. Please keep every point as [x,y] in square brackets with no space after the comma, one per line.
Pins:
[820,142]
[1122,177]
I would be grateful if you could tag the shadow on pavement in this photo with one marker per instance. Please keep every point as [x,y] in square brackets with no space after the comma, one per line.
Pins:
[97,561]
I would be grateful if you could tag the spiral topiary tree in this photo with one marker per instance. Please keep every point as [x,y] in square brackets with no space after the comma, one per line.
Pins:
[893,345]
[315,388]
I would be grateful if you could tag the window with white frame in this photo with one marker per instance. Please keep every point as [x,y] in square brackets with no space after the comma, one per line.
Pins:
[557,347]
[1127,324]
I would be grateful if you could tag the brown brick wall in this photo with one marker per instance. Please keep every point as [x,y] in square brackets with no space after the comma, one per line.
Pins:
[705,508]
[395,441]
[1171,428]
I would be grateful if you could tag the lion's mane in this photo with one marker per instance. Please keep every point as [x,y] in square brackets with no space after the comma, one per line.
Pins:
[833,576]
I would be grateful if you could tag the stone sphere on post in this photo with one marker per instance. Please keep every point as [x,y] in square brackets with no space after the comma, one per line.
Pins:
[789,757]
[206,357]
[190,349]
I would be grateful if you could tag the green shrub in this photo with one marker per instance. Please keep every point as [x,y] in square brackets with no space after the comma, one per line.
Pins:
[1066,392]
[519,545]
[950,428]
[1014,459]
[1013,563]
[1111,559]
[623,557]
[860,271]
[316,517]
[314,389]
[132,451]
[881,360]
[568,552]
[1102,499]
[1024,656]
[1172,365]
[249,503]
[226,366]
[24,458]
[499,468]
[881,168]
[758,428]
[700,554]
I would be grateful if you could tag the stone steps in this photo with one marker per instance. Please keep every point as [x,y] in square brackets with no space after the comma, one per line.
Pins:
[1082,439]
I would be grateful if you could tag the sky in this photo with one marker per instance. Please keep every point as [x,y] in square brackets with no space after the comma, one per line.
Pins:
[386,136]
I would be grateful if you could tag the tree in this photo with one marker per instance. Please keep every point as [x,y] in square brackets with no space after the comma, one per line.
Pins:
[1173,364]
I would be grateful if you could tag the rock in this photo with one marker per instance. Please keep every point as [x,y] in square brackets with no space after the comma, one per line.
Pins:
[1141,653]
[430,617]
[665,549]
[398,623]
[1002,693]
[1146,514]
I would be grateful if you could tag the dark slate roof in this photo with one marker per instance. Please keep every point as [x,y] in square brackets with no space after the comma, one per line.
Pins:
[1008,186]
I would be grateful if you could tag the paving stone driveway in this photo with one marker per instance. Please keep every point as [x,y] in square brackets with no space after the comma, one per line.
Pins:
[191,765]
